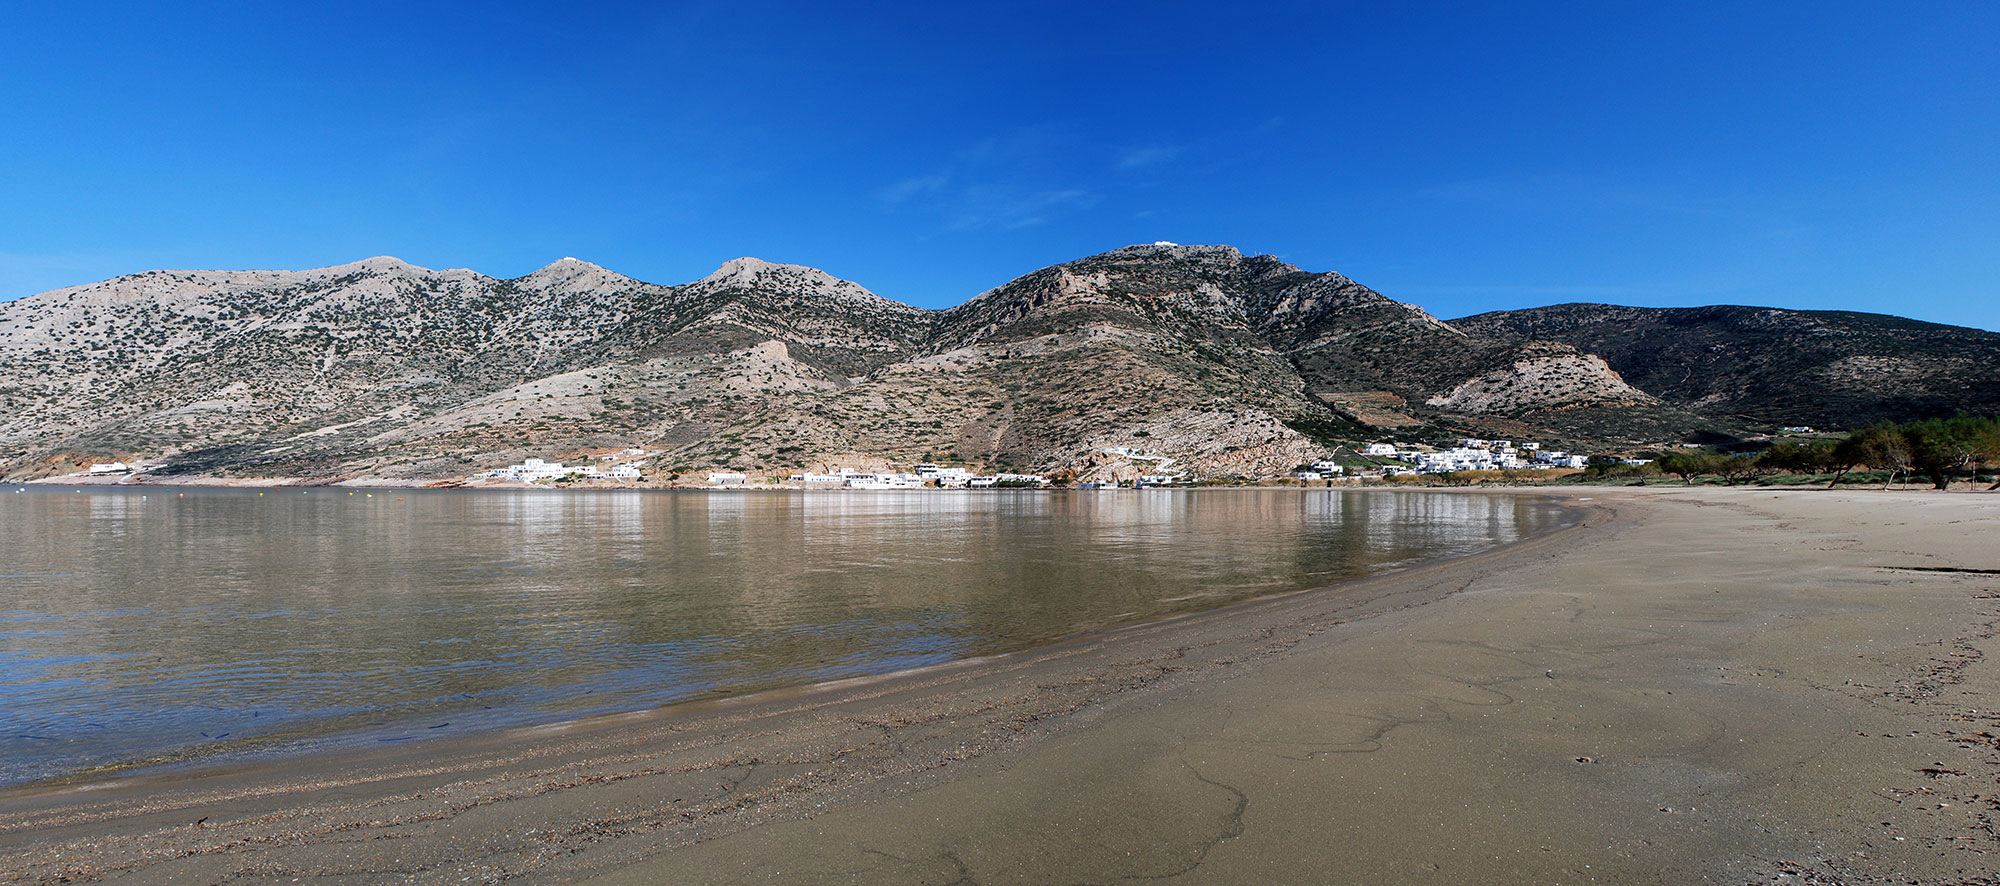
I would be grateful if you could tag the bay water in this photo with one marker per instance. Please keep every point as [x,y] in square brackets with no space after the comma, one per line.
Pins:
[156,626]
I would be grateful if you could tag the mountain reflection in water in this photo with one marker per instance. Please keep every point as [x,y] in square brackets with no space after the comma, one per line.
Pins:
[141,626]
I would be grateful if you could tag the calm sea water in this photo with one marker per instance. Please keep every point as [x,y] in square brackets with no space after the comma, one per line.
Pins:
[152,626]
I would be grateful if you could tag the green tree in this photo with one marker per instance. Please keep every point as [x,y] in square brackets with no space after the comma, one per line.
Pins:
[1938,447]
[1738,468]
[1986,449]
[1798,458]
[1687,465]
[1881,447]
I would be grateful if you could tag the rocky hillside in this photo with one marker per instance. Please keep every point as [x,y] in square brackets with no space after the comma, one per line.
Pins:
[1834,369]
[1233,364]
[380,368]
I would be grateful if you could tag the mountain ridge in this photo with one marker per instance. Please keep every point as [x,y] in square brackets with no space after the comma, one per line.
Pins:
[1777,365]
[1239,365]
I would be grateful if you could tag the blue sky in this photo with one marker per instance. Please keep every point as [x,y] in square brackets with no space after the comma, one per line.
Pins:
[1463,157]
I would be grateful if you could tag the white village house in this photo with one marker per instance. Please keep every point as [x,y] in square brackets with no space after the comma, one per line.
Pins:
[534,470]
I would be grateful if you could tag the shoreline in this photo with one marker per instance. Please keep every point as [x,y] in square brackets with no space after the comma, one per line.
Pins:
[1225,742]
[1556,488]
[190,764]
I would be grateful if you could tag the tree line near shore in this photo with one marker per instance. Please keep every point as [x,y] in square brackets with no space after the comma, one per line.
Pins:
[1942,450]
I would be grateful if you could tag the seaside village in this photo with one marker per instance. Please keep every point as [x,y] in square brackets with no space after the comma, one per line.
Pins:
[1375,460]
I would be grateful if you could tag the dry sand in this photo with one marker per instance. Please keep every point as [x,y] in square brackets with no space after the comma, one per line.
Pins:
[1703,685]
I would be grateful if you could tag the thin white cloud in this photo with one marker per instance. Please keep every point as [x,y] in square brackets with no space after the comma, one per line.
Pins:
[912,188]
[983,207]
[1005,182]
[1146,156]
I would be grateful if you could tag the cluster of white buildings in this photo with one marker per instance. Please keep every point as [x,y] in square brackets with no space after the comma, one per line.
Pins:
[1472,454]
[1322,470]
[534,470]
[924,475]
[1163,466]
[625,467]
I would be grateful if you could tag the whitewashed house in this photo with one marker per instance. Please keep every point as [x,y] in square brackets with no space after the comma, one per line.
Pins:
[882,481]
[946,477]
[535,470]
[1463,458]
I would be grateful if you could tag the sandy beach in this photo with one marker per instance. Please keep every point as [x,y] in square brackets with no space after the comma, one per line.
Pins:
[1694,685]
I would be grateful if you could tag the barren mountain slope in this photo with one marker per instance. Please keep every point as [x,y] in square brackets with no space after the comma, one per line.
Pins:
[381,368]
[1229,364]
[1833,369]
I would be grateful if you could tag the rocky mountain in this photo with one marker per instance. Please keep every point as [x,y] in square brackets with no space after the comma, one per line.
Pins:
[1831,369]
[380,368]
[1233,364]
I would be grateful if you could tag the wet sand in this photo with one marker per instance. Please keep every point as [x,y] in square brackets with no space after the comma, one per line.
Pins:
[1698,685]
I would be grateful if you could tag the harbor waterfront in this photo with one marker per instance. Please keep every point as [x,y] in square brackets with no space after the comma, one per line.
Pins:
[162,626]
